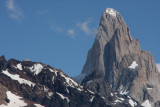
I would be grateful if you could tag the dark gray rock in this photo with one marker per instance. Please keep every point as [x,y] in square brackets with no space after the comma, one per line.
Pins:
[44,85]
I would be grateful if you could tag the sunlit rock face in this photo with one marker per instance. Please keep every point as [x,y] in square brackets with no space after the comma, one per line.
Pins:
[116,59]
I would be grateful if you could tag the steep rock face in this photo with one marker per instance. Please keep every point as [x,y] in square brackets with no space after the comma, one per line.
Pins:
[117,59]
[2,94]
[27,83]
[111,97]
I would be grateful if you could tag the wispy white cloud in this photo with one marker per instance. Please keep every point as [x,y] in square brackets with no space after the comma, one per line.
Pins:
[71,32]
[58,29]
[84,26]
[14,11]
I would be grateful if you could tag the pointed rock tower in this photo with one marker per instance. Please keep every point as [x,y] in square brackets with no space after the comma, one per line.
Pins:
[117,60]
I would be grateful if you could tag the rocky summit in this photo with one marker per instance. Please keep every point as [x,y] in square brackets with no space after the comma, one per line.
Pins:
[116,61]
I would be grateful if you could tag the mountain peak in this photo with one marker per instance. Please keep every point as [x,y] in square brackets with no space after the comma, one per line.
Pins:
[111,21]
[116,59]
[112,32]
[111,11]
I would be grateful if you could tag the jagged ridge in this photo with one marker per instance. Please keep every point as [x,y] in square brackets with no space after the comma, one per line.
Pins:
[38,83]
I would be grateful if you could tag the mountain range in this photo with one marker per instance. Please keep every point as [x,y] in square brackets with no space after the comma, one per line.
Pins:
[117,73]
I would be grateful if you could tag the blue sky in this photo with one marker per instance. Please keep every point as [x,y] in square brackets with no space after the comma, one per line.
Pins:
[60,32]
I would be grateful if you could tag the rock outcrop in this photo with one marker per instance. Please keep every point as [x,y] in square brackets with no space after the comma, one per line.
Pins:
[117,60]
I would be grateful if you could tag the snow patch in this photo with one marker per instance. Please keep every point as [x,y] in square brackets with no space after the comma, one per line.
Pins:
[133,65]
[15,101]
[17,78]
[18,66]
[158,66]
[90,91]
[45,89]
[146,104]
[79,89]
[103,97]
[149,88]
[55,71]
[51,70]
[69,80]
[63,97]
[67,90]
[50,94]
[38,105]
[91,99]
[132,103]
[128,96]
[123,91]
[117,101]
[122,99]
[71,83]
[53,78]
[111,11]
[36,69]
[111,94]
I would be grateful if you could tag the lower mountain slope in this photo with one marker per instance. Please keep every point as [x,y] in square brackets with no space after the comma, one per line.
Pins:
[112,97]
[31,84]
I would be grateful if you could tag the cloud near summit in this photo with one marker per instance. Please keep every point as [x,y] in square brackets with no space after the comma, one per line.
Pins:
[84,26]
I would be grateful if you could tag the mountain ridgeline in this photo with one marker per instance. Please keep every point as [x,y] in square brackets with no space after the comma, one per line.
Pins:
[116,59]
[34,84]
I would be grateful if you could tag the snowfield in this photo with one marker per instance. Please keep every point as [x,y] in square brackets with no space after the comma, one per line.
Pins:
[15,101]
